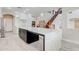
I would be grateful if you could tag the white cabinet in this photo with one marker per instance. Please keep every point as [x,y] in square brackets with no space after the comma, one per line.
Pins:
[53,41]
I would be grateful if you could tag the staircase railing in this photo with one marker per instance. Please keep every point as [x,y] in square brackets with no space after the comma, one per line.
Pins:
[2,28]
[49,23]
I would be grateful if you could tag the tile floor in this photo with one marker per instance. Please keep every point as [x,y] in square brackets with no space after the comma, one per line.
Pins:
[69,46]
[70,40]
[12,42]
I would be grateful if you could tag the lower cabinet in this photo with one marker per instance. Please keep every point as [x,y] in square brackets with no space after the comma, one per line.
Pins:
[23,34]
[32,37]
[27,36]
[52,40]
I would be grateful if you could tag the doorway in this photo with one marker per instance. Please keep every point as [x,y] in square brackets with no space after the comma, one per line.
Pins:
[8,22]
[77,24]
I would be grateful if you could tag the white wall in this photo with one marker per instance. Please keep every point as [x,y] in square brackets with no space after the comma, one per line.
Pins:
[24,20]
[71,17]
[58,22]
[64,18]
[74,14]
[46,16]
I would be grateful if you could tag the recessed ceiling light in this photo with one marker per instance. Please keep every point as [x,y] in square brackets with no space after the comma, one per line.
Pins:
[9,8]
[42,14]
[27,9]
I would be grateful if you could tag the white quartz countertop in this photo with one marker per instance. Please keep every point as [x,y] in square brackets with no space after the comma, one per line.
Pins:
[40,30]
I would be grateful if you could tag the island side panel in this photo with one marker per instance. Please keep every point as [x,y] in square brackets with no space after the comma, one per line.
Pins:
[52,41]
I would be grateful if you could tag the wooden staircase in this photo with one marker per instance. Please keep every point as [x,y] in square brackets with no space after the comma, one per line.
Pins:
[49,23]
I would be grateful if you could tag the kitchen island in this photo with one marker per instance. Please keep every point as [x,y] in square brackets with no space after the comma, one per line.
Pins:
[51,37]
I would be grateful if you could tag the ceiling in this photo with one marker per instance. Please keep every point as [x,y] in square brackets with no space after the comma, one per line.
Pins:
[35,11]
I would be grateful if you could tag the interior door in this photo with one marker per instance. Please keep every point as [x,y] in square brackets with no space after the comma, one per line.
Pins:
[8,22]
[77,24]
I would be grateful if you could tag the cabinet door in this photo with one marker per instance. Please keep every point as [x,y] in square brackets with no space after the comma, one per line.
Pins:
[23,34]
[32,37]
